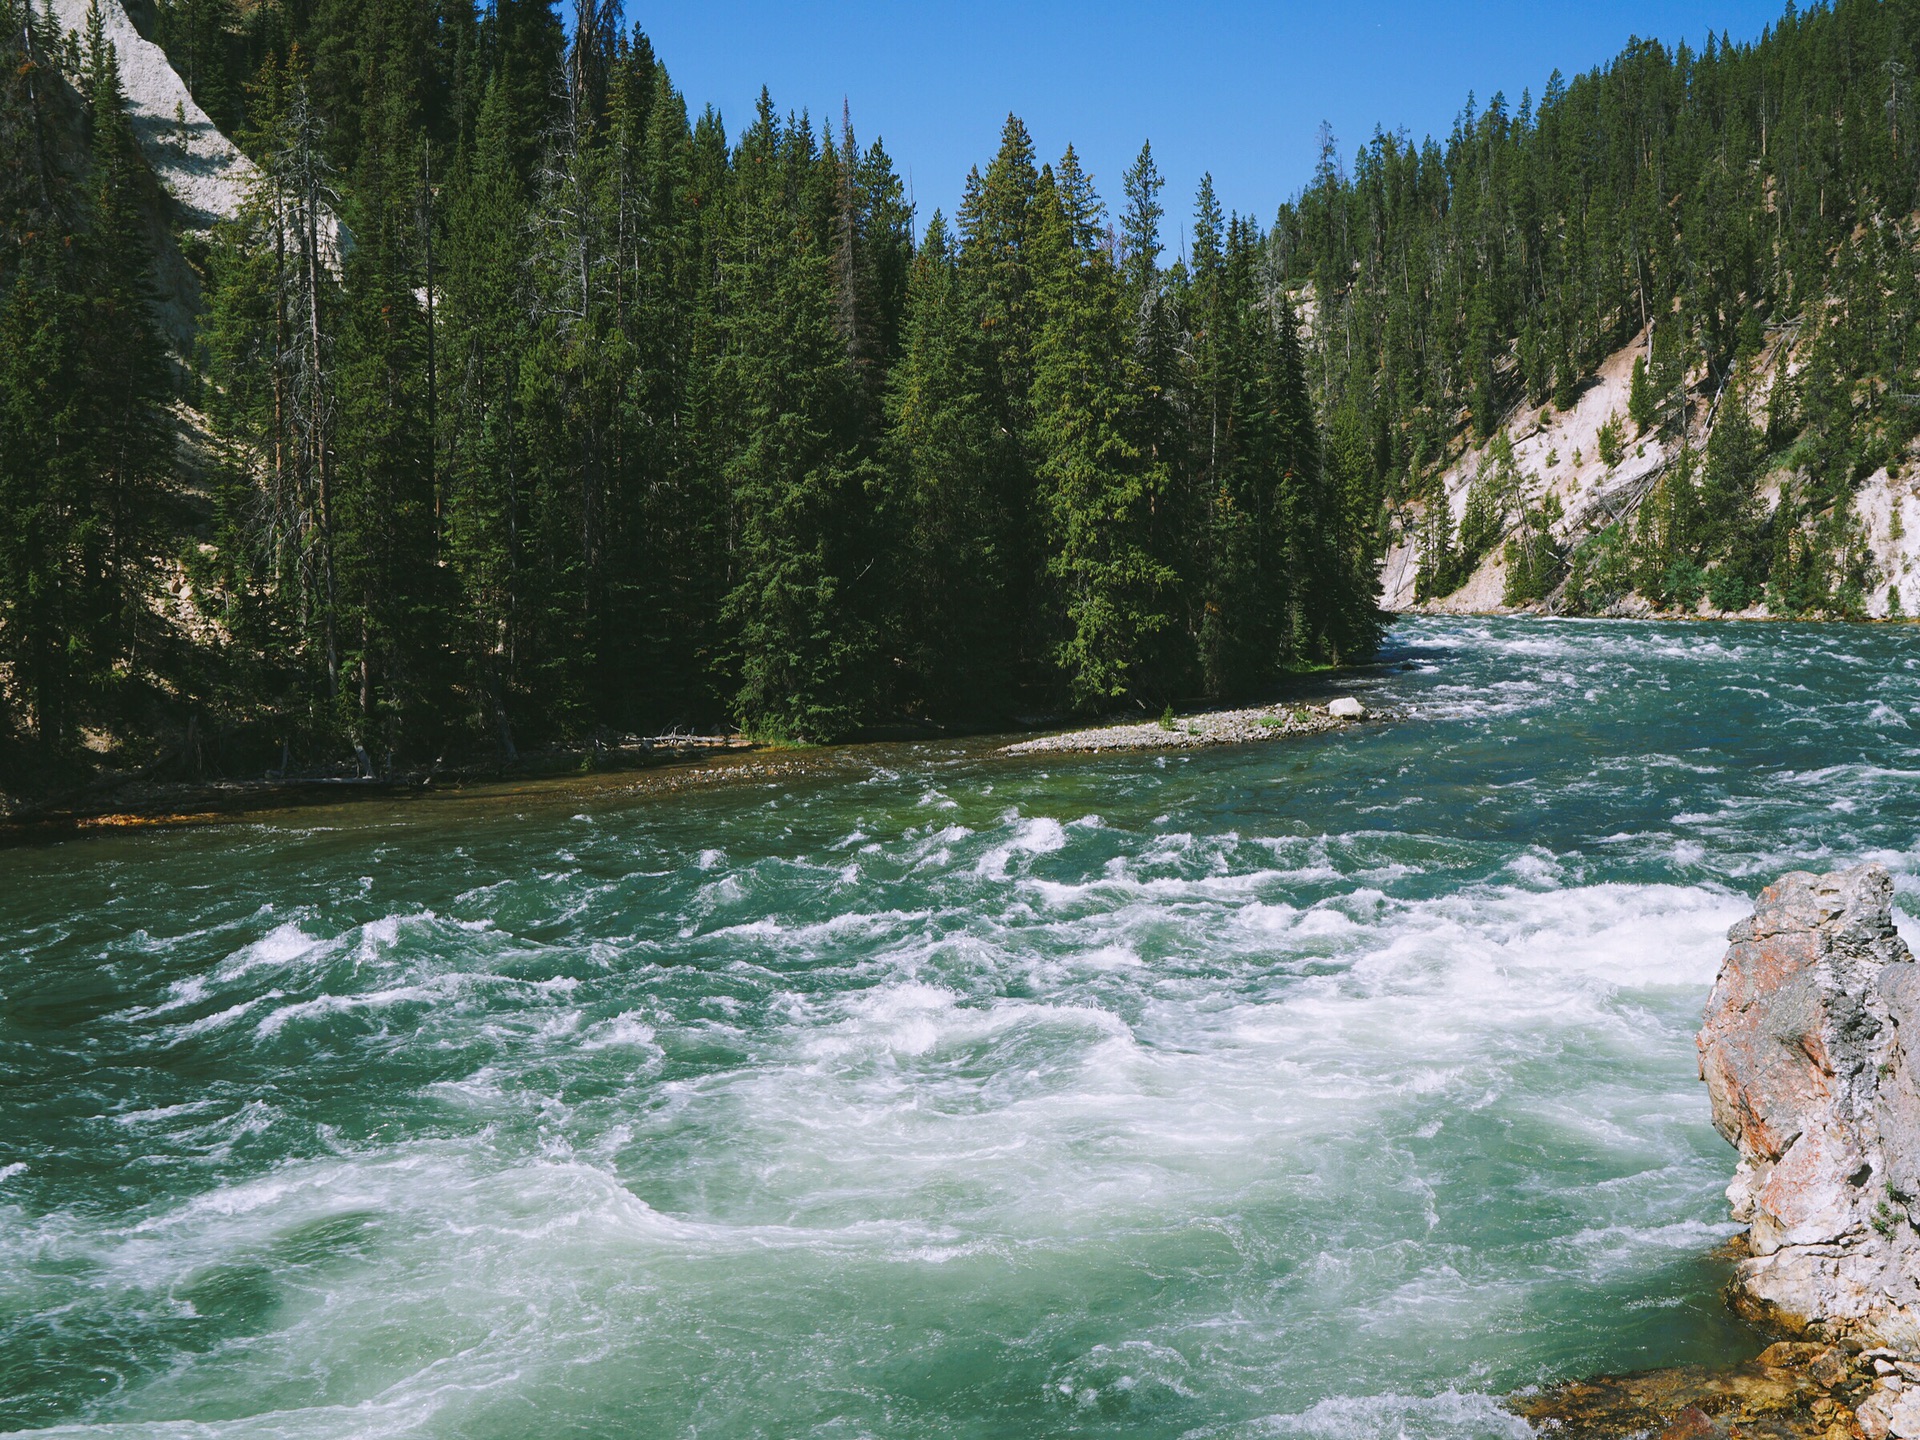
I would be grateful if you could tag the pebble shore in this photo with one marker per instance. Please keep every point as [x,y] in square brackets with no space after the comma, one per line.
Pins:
[1214,727]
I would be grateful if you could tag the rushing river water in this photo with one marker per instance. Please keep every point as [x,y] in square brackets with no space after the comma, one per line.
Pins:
[1311,1089]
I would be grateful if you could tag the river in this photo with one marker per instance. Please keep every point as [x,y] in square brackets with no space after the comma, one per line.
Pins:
[1323,1088]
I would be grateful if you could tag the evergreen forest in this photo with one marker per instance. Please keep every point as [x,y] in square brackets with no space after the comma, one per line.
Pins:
[534,406]
[524,403]
[1743,213]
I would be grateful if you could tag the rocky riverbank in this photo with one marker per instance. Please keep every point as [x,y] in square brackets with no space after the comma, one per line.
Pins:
[1213,727]
[1805,1054]
[1805,1050]
[1793,1390]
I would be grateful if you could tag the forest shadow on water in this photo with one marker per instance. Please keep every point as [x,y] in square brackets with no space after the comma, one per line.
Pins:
[1322,1087]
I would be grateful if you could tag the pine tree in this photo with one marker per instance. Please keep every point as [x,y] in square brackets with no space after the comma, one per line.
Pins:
[84,443]
[43,524]
[527,43]
[997,230]
[124,420]
[487,463]
[996,225]
[202,41]
[1150,297]
[1640,406]
[1241,637]
[383,518]
[677,509]
[274,327]
[805,643]
[955,609]
[1327,520]
[1114,595]
[1732,513]
[569,404]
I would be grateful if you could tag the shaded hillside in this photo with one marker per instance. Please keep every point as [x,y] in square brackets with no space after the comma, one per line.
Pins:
[93,511]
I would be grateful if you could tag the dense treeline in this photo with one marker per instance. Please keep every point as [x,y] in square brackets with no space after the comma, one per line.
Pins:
[537,406]
[1731,204]
[544,408]
[84,438]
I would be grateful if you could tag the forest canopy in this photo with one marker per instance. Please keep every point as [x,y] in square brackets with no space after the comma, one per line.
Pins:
[527,404]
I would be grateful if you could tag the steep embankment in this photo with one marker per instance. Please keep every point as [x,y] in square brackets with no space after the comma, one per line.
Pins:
[1889,508]
[201,168]
[1558,455]
[200,176]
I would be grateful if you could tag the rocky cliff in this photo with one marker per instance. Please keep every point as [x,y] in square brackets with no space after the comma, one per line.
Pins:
[200,176]
[202,170]
[1806,1051]
[1558,453]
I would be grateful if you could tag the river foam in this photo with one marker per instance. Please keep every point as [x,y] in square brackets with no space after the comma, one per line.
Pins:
[1324,1089]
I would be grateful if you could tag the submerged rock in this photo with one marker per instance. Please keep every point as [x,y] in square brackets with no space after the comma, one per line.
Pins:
[1804,1051]
[1788,1392]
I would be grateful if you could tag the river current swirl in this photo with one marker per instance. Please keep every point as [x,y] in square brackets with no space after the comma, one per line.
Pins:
[1321,1089]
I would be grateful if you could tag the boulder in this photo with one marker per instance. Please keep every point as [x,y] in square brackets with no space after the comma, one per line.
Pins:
[1804,1052]
[1890,1412]
[1347,708]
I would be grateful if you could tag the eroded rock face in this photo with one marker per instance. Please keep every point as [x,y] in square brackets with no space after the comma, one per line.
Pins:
[1805,1051]
[203,170]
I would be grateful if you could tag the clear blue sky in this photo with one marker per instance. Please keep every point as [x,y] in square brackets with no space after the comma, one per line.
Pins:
[1239,89]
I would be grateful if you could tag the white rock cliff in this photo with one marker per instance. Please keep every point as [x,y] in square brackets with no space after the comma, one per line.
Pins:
[201,168]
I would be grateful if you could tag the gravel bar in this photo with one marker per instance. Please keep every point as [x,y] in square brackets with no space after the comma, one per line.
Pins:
[1213,727]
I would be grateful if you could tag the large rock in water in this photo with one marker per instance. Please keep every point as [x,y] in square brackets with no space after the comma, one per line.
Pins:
[1806,1051]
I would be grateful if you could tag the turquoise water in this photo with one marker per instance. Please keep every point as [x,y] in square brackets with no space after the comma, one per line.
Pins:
[1314,1089]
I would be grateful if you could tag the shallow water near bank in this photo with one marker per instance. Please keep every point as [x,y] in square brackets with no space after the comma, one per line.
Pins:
[1318,1088]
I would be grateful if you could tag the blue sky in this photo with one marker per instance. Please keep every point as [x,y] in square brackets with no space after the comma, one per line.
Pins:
[1239,89]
